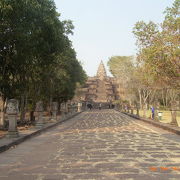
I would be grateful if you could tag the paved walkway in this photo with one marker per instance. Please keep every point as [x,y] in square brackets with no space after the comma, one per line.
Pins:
[101,144]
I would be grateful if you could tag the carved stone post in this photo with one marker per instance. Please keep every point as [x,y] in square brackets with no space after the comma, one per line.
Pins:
[39,111]
[66,108]
[12,111]
[79,107]
[73,108]
[54,110]
[69,109]
[63,109]
[117,107]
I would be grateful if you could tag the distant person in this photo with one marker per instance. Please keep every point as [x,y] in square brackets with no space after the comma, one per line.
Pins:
[100,106]
[152,112]
[89,106]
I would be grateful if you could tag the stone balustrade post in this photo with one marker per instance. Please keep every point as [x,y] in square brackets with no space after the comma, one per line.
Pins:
[63,110]
[39,110]
[66,108]
[79,107]
[12,111]
[54,109]
[73,108]
[70,109]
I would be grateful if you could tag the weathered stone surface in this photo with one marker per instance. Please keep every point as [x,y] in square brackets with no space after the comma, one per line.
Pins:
[12,110]
[39,118]
[12,107]
[100,90]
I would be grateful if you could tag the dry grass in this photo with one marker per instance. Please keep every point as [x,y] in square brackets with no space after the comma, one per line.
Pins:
[166,116]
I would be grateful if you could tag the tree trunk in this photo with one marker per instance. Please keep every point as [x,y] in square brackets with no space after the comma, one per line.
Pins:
[32,117]
[50,108]
[155,111]
[22,115]
[132,110]
[144,109]
[2,112]
[173,113]
[2,118]
[140,99]
[163,98]
[137,111]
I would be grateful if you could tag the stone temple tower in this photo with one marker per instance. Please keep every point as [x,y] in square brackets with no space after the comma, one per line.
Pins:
[101,72]
[100,88]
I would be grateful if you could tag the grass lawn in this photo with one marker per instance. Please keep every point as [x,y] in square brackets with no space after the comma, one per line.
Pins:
[166,116]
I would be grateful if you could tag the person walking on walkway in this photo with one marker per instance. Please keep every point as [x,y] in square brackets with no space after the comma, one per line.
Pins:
[152,112]
[89,106]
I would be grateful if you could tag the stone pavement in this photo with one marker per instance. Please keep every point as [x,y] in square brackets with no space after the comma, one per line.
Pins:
[25,134]
[99,144]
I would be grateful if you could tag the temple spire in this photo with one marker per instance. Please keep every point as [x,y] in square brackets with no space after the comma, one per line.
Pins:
[101,73]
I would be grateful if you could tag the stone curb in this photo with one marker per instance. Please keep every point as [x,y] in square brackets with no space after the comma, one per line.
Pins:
[35,133]
[164,126]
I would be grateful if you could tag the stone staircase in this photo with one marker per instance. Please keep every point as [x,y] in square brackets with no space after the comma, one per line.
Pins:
[101,92]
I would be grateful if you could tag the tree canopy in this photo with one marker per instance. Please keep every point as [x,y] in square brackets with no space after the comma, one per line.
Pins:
[36,55]
[159,47]
[154,78]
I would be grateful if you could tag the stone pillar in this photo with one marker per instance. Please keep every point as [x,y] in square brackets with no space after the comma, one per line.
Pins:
[69,109]
[63,109]
[39,110]
[79,107]
[73,108]
[12,111]
[54,109]
[2,114]
[66,108]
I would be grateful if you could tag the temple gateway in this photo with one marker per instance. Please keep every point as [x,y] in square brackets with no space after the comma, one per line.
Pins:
[100,89]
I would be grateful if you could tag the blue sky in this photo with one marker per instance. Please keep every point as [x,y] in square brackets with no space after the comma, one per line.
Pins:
[103,28]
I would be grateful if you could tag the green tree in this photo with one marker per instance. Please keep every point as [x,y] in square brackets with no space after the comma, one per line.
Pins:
[122,68]
[36,55]
[159,51]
